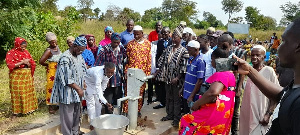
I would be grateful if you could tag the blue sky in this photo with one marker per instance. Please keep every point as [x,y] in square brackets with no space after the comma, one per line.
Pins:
[266,7]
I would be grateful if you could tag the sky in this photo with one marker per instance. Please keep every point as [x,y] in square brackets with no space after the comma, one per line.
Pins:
[266,7]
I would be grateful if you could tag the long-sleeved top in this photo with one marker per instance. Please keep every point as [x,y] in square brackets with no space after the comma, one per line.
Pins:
[96,82]
[116,56]
[172,63]
[162,44]
[70,69]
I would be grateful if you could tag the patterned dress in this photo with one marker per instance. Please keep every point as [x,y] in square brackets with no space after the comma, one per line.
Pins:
[51,69]
[213,118]
[139,56]
[23,95]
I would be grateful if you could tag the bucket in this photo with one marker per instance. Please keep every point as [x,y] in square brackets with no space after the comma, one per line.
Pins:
[110,124]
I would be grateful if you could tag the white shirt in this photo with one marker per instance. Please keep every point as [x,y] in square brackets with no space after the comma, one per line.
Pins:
[96,82]
[207,58]
[153,56]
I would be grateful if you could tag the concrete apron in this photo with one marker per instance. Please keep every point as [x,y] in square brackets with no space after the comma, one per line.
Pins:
[151,126]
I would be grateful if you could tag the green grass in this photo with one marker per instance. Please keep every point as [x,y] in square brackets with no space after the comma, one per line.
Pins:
[5,100]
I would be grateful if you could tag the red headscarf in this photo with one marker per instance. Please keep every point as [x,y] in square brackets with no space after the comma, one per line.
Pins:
[16,55]
[87,38]
[94,48]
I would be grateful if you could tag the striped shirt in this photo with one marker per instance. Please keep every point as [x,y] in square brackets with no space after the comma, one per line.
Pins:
[70,70]
[195,71]
[172,63]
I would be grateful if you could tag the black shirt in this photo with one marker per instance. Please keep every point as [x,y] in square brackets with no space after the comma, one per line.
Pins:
[288,121]
[161,48]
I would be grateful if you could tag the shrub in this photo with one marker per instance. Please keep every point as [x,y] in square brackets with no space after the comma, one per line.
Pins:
[32,25]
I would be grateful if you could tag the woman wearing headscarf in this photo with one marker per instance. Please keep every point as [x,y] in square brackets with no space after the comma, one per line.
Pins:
[21,69]
[52,55]
[108,30]
[91,44]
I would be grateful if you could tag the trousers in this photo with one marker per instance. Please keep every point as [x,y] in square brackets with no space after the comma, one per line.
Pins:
[93,106]
[69,118]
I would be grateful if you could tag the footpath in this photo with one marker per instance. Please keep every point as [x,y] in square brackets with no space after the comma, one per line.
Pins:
[50,125]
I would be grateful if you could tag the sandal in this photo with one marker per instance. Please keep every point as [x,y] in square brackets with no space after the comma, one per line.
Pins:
[166,118]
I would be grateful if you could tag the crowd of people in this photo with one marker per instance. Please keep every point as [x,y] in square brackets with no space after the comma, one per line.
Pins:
[197,98]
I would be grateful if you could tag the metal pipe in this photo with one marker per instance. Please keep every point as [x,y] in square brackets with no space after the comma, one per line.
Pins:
[119,102]
[148,77]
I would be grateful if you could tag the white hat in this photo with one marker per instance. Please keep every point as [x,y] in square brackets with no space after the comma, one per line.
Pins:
[211,29]
[188,30]
[137,27]
[182,22]
[194,44]
[259,47]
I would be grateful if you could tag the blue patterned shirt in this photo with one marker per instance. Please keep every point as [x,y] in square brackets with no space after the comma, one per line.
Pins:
[70,70]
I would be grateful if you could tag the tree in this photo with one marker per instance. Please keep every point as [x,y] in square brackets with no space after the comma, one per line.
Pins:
[209,17]
[111,13]
[97,11]
[49,6]
[9,5]
[267,23]
[231,6]
[152,14]
[85,8]
[183,10]
[290,10]
[128,13]
[236,20]
[252,16]
[258,20]
[201,24]
[283,22]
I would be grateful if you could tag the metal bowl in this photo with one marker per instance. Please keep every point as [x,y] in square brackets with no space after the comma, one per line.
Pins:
[110,124]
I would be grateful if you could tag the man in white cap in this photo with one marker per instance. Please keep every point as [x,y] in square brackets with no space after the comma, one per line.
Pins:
[194,76]
[256,108]
[138,56]
[187,36]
